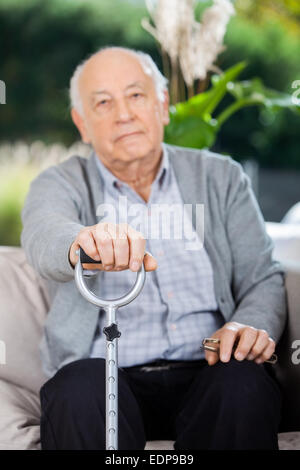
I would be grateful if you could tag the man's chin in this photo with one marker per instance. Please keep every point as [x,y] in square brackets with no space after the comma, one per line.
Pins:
[133,152]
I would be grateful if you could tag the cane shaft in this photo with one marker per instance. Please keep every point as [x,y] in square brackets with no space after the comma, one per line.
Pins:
[111,386]
[112,334]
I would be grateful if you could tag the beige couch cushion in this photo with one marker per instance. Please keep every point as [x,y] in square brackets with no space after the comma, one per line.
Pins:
[19,418]
[23,307]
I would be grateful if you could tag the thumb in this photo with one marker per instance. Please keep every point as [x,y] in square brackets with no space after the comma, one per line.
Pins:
[150,262]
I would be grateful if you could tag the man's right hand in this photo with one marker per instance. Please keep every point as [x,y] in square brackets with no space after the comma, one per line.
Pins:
[118,246]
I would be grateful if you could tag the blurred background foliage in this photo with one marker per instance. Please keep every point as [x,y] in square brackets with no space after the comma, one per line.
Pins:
[42,41]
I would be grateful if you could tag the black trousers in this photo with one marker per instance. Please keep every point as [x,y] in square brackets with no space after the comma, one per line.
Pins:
[234,405]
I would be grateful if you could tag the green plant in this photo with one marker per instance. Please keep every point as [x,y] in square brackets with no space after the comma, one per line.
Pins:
[196,123]
[14,184]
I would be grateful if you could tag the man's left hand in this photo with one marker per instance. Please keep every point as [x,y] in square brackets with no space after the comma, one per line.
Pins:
[251,344]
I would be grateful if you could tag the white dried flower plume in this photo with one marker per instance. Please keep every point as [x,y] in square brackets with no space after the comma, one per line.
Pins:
[195,45]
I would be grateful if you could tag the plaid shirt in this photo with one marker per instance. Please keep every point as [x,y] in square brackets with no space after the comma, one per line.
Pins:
[177,307]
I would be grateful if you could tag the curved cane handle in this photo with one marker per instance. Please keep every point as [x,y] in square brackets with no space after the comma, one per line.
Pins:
[120,301]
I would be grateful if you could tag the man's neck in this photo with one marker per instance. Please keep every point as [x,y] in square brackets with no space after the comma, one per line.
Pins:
[138,174]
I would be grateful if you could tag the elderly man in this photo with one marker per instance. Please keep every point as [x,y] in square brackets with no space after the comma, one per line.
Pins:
[229,288]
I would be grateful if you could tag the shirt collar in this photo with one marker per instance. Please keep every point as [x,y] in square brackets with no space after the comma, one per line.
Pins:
[111,180]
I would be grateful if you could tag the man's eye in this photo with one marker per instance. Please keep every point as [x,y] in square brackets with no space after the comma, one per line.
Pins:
[102,102]
[136,95]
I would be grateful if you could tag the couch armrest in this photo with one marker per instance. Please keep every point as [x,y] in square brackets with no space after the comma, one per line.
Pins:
[19,418]
[286,240]
[23,309]
[288,368]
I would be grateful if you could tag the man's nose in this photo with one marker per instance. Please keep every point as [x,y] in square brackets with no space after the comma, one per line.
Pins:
[123,110]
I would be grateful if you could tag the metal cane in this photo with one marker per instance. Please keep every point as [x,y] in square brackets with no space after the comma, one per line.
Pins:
[112,334]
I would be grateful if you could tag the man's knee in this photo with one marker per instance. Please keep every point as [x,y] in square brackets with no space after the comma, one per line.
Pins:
[234,391]
[75,380]
[243,382]
[234,405]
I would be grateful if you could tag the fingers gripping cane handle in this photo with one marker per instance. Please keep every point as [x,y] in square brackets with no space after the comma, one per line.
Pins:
[112,335]
[86,258]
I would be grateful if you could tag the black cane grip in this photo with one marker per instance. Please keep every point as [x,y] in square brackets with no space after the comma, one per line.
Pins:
[84,258]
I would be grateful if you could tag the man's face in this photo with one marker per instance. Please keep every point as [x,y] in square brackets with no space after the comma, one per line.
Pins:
[118,99]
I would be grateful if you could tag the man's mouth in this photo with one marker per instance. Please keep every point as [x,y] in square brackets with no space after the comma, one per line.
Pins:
[130,134]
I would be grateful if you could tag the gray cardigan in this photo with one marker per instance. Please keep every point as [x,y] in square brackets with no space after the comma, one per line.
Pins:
[249,283]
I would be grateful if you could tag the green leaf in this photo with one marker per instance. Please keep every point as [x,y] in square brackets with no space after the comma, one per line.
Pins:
[255,91]
[191,132]
[191,123]
[205,103]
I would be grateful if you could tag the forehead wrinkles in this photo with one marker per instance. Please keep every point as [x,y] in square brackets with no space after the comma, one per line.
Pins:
[130,86]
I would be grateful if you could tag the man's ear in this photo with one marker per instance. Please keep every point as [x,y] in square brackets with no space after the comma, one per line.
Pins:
[166,115]
[80,124]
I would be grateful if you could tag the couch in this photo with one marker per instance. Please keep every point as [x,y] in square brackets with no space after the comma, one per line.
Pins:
[23,309]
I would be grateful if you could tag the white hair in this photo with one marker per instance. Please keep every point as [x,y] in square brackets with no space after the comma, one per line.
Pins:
[146,61]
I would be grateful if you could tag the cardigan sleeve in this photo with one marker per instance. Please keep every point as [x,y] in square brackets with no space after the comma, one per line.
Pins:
[258,281]
[51,222]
